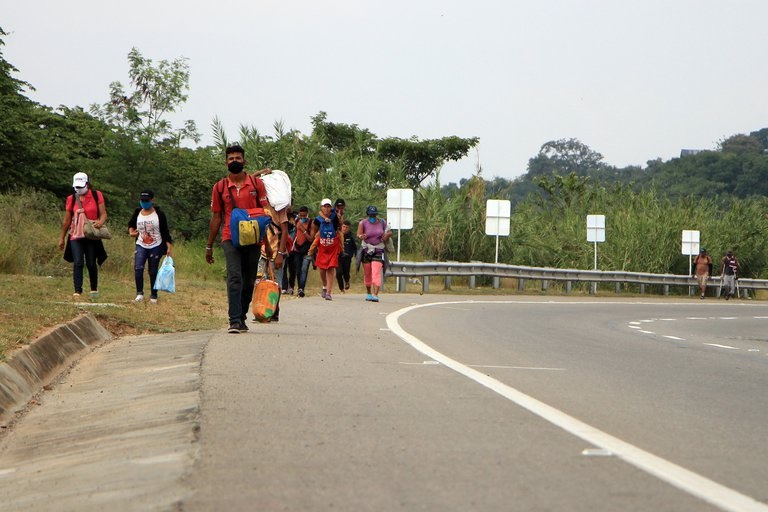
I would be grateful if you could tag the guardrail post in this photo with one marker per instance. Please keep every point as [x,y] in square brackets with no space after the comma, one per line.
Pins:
[544,285]
[568,286]
[448,282]
[666,289]
[642,289]
[520,284]
[618,288]
[401,284]
[496,282]
[425,284]
[472,284]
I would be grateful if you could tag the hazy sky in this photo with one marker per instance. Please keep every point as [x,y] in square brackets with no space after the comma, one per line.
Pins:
[634,80]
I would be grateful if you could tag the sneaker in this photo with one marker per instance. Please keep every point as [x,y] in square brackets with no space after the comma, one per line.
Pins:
[328,296]
[323,293]
[375,298]
[139,298]
[234,328]
[153,300]
[702,296]
[369,297]
[242,327]
[301,292]
[283,291]
[94,294]
[290,291]
[76,296]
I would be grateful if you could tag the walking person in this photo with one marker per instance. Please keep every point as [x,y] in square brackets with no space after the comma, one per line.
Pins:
[349,249]
[85,204]
[374,233]
[237,190]
[300,253]
[702,265]
[325,232]
[729,273]
[149,226]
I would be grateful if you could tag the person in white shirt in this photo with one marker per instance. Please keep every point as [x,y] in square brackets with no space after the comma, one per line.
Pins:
[149,226]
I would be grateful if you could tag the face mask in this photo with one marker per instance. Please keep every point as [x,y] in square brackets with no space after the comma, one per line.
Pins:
[146,204]
[235,167]
[372,220]
[303,219]
[81,191]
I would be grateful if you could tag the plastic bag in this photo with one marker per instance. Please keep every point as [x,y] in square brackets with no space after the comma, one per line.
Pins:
[278,186]
[166,276]
[266,296]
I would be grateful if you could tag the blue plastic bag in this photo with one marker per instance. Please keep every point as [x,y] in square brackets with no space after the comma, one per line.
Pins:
[166,276]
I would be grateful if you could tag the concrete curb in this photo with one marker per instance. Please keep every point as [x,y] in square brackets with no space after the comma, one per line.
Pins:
[43,360]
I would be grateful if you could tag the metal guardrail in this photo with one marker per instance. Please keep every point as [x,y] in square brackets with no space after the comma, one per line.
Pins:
[408,269]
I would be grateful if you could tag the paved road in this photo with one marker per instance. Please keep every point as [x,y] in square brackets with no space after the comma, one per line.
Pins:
[331,410]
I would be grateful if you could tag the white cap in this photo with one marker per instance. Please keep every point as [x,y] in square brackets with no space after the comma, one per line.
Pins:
[80,180]
[326,201]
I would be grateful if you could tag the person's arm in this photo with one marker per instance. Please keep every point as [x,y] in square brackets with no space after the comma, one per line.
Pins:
[65,223]
[213,230]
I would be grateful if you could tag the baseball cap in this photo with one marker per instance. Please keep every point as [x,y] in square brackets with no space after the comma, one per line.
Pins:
[326,201]
[340,202]
[146,194]
[371,210]
[80,180]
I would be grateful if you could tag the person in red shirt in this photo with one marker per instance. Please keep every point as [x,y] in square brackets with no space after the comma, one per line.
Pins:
[85,203]
[238,190]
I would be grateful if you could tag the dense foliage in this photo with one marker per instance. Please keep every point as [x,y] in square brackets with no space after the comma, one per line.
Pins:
[126,144]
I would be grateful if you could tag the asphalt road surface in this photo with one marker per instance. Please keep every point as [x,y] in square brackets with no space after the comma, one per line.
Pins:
[416,403]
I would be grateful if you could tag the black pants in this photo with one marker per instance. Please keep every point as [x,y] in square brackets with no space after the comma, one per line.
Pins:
[342,271]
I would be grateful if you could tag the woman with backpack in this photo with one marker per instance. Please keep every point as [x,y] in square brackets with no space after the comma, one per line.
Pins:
[325,232]
[86,204]
[374,233]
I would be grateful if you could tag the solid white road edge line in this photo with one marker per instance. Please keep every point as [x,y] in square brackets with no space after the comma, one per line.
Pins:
[684,479]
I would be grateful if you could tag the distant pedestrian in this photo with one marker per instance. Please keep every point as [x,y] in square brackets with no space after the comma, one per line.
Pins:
[325,232]
[349,249]
[729,273]
[299,255]
[374,233]
[149,226]
[702,265]
[85,204]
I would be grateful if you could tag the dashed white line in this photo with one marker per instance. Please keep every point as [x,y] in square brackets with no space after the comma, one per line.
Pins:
[675,338]
[721,346]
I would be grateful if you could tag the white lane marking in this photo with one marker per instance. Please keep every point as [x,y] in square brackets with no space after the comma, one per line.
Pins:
[668,319]
[634,327]
[675,338]
[634,323]
[596,452]
[421,363]
[514,367]
[760,317]
[684,479]
[728,318]
[647,332]
[721,346]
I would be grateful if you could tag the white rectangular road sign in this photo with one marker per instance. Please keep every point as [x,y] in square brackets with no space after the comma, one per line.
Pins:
[595,228]
[690,242]
[400,208]
[497,215]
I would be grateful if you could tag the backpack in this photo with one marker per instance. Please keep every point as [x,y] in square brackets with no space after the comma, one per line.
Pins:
[327,231]
[247,226]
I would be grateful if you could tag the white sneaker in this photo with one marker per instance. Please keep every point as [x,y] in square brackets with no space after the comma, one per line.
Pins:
[152,301]
[139,298]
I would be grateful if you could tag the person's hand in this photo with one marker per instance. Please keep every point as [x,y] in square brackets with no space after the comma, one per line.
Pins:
[62,243]
[279,260]
[97,224]
[209,255]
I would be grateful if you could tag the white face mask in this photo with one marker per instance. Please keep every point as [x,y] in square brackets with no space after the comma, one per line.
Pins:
[81,191]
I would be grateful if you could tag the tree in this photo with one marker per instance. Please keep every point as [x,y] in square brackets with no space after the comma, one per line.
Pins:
[421,159]
[156,91]
[565,156]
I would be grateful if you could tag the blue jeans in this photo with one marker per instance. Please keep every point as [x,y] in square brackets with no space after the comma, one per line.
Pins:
[301,268]
[84,255]
[242,269]
[140,259]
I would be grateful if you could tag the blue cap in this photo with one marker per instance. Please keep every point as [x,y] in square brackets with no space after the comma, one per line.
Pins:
[371,210]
